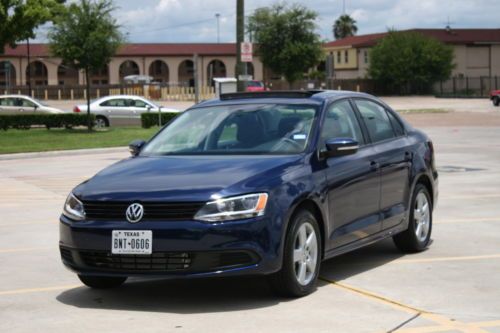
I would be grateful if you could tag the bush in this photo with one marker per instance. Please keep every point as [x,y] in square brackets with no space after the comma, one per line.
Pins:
[150,119]
[409,62]
[25,121]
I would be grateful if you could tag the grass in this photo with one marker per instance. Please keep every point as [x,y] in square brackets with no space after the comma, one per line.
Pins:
[406,111]
[41,139]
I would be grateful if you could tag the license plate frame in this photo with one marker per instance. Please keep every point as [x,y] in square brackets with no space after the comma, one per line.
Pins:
[139,242]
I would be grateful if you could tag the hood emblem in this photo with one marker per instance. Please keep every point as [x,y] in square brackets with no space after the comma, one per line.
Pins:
[134,213]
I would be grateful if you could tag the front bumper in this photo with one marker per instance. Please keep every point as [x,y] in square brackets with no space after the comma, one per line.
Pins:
[180,248]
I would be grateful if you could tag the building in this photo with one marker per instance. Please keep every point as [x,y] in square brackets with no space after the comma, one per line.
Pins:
[477,52]
[167,63]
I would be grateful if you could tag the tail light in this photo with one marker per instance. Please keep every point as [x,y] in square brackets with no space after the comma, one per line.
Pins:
[76,109]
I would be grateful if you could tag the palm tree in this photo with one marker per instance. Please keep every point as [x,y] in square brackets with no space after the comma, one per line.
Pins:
[344,26]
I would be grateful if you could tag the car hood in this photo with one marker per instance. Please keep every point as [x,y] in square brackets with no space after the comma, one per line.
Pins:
[185,178]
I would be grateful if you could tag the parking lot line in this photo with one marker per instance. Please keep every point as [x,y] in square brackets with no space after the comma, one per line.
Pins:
[23,223]
[458,258]
[442,321]
[26,249]
[36,290]
[476,196]
[468,220]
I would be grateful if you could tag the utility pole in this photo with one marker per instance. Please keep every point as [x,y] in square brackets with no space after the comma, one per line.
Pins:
[29,66]
[240,35]
[196,83]
[217,16]
[343,7]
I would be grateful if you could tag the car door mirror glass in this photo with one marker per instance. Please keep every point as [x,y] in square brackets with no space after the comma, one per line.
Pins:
[340,147]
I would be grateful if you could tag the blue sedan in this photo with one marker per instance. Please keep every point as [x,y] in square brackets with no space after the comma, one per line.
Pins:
[265,183]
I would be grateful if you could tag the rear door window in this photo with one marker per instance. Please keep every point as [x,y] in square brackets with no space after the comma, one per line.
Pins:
[376,120]
[116,102]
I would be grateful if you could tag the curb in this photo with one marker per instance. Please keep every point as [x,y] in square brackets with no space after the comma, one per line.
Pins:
[75,152]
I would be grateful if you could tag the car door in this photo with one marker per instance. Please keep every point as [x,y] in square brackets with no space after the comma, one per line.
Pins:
[138,107]
[25,106]
[353,183]
[116,110]
[8,105]
[393,156]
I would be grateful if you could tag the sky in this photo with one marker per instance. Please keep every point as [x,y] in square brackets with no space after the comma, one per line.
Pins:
[177,21]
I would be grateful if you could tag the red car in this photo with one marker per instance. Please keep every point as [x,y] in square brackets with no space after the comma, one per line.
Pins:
[255,86]
[495,97]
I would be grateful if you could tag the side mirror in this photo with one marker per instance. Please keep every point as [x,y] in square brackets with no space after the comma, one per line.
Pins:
[340,147]
[135,147]
[149,107]
[35,107]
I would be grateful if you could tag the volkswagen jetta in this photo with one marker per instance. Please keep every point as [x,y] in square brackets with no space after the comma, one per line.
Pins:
[267,183]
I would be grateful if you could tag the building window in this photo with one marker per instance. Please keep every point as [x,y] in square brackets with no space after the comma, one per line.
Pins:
[346,56]
[339,59]
[366,56]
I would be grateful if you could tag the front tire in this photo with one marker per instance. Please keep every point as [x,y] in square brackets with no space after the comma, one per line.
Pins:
[418,235]
[301,257]
[496,101]
[102,282]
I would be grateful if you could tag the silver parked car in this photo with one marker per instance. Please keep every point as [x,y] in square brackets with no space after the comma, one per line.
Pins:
[20,104]
[121,110]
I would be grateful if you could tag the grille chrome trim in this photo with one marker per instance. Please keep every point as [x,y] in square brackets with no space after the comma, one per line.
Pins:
[109,210]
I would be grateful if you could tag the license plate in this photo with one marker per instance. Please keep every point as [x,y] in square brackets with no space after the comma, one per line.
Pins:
[132,242]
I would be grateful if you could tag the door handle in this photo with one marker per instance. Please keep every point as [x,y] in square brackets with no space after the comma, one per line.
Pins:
[374,166]
[21,110]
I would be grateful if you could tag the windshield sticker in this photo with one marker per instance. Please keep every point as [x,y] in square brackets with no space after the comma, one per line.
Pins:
[299,136]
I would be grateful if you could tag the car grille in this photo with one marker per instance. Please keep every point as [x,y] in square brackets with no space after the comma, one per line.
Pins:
[152,211]
[160,261]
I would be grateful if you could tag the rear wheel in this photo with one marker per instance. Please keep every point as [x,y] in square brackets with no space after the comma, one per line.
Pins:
[301,257]
[102,282]
[418,235]
[496,101]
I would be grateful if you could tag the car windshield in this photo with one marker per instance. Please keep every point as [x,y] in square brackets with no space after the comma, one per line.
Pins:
[236,129]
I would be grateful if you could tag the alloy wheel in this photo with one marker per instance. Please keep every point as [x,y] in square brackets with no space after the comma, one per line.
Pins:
[422,216]
[305,254]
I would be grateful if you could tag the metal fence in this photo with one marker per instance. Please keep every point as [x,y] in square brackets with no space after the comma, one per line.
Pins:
[454,87]
[75,92]
[467,86]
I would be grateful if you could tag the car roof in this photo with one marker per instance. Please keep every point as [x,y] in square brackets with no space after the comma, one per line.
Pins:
[317,97]
[121,96]
[15,96]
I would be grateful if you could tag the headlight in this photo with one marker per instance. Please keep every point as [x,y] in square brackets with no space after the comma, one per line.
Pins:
[73,208]
[235,208]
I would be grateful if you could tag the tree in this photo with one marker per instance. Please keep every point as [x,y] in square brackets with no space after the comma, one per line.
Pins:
[286,38]
[19,19]
[86,36]
[344,26]
[409,62]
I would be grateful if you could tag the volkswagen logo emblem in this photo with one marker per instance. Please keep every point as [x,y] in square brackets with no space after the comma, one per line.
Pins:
[134,213]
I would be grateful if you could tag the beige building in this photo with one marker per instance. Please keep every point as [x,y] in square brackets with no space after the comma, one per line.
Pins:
[171,64]
[477,52]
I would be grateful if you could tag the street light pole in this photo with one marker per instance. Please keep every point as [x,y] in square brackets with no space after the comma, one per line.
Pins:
[240,35]
[217,16]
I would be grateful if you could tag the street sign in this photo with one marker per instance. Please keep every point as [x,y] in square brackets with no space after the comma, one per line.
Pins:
[246,52]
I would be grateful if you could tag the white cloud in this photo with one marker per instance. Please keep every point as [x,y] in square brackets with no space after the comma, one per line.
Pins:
[194,20]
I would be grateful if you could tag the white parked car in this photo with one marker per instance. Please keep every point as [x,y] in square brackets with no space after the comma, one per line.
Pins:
[121,110]
[20,104]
